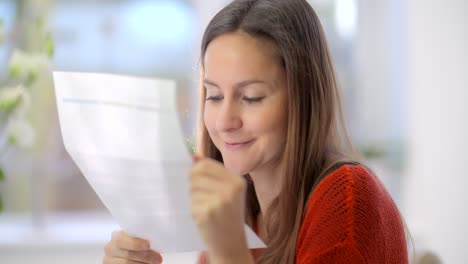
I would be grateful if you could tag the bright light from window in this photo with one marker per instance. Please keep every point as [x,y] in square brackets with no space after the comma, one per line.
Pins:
[7,15]
[346,17]
[7,12]
[166,21]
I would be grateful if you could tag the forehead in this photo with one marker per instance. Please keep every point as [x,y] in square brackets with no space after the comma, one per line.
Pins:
[240,53]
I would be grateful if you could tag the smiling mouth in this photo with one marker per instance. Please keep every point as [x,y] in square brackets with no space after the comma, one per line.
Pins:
[237,145]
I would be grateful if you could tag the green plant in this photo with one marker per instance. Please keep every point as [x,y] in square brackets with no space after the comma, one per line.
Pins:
[24,68]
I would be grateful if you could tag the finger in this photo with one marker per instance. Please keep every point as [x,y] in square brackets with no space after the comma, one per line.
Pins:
[206,184]
[213,169]
[147,256]
[205,204]
[202,206]
[197,157]
[124,241]
[112,260]
[210,169]
[203,199]
[206,163]
[213,185]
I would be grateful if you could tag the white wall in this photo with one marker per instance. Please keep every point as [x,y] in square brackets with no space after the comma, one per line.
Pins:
[380,56]
[436,201]
[412,69]
[65,238]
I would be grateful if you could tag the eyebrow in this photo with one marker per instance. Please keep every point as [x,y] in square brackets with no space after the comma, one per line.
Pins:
[239,85]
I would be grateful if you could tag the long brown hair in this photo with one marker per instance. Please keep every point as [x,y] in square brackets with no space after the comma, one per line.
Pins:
[316,137]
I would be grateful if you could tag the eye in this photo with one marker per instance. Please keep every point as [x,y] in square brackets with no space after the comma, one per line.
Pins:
[214,98]
[253,99]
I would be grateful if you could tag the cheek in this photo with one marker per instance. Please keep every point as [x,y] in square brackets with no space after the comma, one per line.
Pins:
[209,119]
[283,126]
[277,132]
[282,117]
[273,121]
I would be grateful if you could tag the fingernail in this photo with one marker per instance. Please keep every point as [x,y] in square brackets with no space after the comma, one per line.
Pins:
[196,157]
[147,245]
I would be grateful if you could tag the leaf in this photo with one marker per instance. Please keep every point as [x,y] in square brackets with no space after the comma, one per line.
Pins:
[15,72]
[2,178]
[12,139]
[190,145]
[31,78]
[8,105]
[9,98]
[2,32]
[2,175]
[49,46]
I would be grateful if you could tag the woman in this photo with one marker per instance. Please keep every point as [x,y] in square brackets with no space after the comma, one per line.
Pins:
[271,113]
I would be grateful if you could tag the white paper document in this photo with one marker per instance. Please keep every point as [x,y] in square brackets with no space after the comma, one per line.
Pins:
[124,134]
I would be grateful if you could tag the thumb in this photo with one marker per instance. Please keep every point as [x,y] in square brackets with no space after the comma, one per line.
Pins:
[197,157]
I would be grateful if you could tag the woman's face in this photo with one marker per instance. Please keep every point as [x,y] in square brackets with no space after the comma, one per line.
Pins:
[246,102]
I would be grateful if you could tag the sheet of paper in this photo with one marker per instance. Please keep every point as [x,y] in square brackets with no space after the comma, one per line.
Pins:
[124,134]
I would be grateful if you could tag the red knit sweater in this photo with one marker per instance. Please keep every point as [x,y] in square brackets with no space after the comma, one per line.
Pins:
[350,218]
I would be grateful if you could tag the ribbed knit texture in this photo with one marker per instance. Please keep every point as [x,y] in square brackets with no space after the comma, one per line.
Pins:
[350,218]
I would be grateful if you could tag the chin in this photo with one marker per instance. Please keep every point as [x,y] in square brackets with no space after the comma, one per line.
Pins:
[237,167]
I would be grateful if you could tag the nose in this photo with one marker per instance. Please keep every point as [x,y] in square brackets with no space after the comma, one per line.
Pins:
[229,117]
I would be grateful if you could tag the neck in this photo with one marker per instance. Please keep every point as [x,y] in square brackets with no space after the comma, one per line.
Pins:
[268,181]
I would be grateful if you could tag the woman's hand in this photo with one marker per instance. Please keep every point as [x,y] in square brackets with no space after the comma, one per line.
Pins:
[126,249]
[218,205]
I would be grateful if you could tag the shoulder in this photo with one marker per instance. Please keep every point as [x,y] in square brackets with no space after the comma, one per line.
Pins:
[348,186]
[350,212]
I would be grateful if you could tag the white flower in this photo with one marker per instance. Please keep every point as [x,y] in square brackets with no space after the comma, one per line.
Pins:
[27,65]
[20,132]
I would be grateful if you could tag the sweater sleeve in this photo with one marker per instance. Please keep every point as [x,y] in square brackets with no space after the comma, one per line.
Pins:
[350,218]
[338,254]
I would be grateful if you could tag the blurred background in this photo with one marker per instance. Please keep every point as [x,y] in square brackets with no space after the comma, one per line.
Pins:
[402,67]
